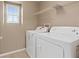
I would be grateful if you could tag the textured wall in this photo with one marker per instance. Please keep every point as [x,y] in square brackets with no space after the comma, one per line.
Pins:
[14,34]
[70,16]
[1,17]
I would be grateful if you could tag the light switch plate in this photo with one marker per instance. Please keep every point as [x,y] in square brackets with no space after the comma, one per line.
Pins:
[1,37]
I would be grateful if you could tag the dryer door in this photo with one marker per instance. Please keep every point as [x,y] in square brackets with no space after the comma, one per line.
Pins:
[48,50]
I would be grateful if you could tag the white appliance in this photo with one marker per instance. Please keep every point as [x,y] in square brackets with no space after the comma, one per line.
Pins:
[46,49]
[31,42]
[61,42]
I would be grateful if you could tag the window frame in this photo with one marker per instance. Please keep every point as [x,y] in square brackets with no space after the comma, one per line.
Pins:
[5,12]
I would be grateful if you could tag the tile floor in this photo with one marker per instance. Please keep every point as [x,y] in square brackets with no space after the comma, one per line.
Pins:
[21,54]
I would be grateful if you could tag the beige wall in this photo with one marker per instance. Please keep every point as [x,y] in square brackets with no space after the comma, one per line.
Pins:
[14,34]
[70,17]
[1,14]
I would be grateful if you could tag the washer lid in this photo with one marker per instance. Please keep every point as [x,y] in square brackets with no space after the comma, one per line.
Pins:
[66,37]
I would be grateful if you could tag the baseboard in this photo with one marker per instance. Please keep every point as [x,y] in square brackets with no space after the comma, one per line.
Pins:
[8,53]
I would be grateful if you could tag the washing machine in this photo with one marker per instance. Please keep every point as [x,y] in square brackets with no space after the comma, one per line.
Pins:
[31,40]
[61,42]
[30,43]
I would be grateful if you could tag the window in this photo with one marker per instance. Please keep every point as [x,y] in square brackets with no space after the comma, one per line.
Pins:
[12,12]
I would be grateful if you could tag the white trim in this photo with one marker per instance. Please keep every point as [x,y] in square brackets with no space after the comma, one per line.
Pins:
[8,53]
[21,14]
[3,12]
